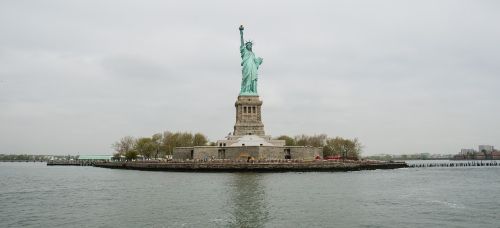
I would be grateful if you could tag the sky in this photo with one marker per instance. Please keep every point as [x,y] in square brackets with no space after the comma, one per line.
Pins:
[401,76]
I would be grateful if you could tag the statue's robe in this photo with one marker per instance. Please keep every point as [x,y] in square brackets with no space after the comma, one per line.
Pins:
[250,64]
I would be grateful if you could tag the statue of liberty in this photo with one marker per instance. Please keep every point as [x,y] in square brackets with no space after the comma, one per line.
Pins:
[250,64]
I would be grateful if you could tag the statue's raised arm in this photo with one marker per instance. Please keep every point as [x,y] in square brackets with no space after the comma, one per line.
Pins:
[241,36]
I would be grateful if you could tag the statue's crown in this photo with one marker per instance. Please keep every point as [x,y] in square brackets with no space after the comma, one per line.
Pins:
[249,42]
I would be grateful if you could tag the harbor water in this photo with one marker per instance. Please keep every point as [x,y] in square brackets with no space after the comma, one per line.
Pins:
[36,195]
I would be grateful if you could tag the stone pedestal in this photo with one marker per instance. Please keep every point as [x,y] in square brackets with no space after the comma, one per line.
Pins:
[248,116]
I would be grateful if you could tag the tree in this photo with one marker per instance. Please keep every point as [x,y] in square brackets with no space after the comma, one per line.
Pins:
[145,147]
[157,139]
[354,148]
[329,149]
[116,156]
[169,141]
[124,145]
[182,139]
[315,140]
[332,147]
[346,148]
[131,155]
[199,140]
[301,140]
[289,141]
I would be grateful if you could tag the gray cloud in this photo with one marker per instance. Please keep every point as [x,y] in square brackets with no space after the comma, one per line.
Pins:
[403,76]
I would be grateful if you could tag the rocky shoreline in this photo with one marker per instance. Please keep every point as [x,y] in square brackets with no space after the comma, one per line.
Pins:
[312,166]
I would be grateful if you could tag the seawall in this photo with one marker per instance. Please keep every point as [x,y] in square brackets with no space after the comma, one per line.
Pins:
[70,163]
[313,166]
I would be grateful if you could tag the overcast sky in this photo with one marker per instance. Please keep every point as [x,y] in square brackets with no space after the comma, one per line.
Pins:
[402,76]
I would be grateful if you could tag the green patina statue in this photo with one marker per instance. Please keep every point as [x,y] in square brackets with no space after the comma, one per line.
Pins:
[250,65]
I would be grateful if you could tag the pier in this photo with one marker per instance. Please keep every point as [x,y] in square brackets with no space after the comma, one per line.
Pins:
[480,163]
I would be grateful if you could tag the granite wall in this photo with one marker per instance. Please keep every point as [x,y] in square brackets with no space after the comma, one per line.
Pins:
[183,153]
[243,152]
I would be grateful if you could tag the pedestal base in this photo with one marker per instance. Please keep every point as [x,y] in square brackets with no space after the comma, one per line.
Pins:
[248,116]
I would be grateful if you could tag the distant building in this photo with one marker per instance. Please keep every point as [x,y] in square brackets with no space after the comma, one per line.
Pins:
[495,155]
[486,148]
[467,151]
[485,152]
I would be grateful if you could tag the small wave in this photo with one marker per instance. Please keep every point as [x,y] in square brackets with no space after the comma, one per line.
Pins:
[448,204]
